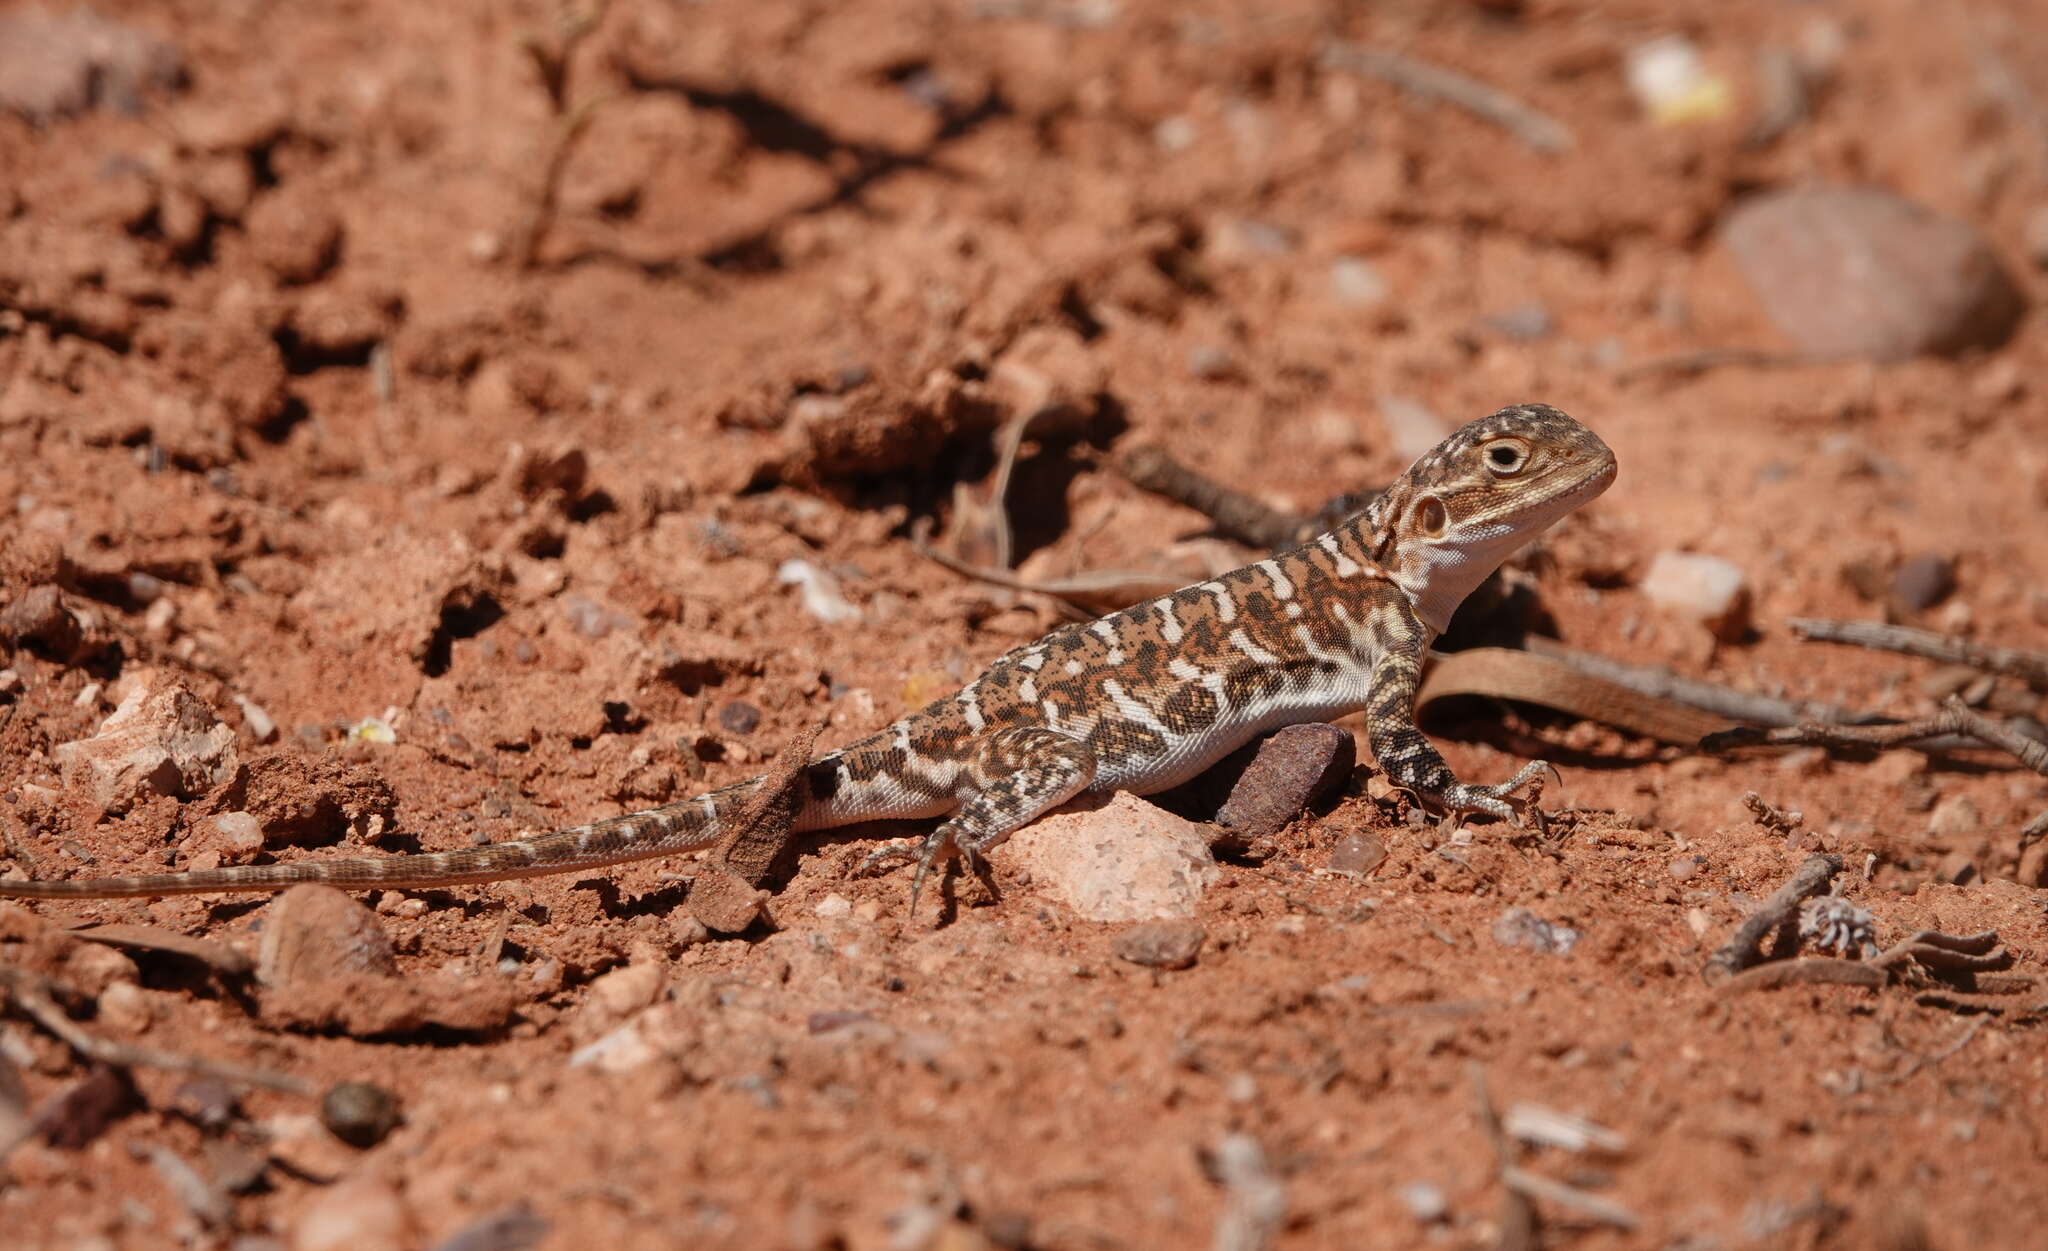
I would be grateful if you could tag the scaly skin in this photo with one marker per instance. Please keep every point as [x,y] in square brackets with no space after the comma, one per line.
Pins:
[1139,700]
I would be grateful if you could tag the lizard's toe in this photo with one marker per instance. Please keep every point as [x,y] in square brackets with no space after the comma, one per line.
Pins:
[883,859]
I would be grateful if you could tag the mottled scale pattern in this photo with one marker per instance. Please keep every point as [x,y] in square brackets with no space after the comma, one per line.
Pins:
[1139,700]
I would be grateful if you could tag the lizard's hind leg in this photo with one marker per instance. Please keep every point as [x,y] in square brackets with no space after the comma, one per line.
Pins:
[1015,775]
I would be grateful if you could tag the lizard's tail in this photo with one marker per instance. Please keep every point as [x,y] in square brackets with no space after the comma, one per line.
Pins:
[645,835]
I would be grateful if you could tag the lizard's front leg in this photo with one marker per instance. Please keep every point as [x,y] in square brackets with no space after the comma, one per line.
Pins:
[1412,762]
[1015,775]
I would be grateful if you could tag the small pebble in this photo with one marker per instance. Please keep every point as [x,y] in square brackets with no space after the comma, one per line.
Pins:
[627,990]
[819,592]
[124,1007]
[1160,944]
[1706,588]
[739,717]
[1955,817]
[359,1113]
[1424,1201]
[1685,868]
[257,720]
[1519,927]
[360,1214]
[1212,363]
[1524,323]
[1923,582]
[1357,282]
[1358,854]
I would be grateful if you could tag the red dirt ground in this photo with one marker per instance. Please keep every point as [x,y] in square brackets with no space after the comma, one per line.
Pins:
[399,417]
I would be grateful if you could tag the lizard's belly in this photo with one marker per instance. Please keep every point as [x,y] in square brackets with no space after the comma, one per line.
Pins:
[1186,756]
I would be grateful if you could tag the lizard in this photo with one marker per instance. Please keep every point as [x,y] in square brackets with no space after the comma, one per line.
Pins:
[1140,700]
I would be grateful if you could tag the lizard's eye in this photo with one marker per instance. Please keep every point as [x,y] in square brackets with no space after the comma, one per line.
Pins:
[1507,456]
[1431,517]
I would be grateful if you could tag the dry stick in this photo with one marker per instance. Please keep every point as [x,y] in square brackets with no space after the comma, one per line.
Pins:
[1943,729]
[1700,360]
[1234,514]
[567,130]
[1811,971]
[1127,585]
[1433,82]
[32,993]
[1926,949]
[2028,667]
[1777,914]
[1518,1219]
[1721,700]
[1772,818]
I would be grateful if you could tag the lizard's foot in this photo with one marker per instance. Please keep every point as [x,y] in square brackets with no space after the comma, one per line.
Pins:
[929,851]
[883,859]
[1500,799]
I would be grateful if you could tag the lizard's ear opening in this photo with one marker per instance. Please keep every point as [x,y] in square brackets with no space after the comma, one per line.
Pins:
[1431,517]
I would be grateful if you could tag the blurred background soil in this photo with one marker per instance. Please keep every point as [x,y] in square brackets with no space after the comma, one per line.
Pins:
[470,418]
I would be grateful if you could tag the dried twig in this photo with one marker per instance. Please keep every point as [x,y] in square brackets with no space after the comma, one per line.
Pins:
[218,956]
[2029,667]
[1536,1186]
[1911,961]
[1234,514]
[1782,97]
[1962,953]
[1809,971]
[1956,724]
[1772,818]
[1082,597]
[1726,702]
[33,994]
[1433,82]
[1777,915]
[1701,360]
[1518,1219]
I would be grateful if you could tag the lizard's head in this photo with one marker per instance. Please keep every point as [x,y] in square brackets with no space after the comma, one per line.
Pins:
[1479,495]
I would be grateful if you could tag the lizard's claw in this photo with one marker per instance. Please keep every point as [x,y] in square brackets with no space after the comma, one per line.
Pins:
[936,848]
[883,859]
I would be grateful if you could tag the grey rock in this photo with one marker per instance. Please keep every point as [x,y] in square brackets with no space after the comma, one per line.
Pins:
[1855,271]
[1160,944]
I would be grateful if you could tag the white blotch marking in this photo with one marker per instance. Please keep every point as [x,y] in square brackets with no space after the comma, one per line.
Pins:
[1131,708]
[970,707]
[1027,690]
[1294,610]
[1052,714]
[1073,668]
[1183,670]
[1282,588]
[1242,642]
[1315,649]
[1346,567]
[1102,629]
[1169,621]
[1033,660]
[583,837]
